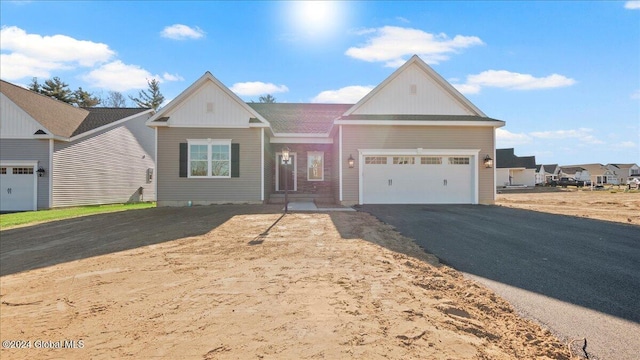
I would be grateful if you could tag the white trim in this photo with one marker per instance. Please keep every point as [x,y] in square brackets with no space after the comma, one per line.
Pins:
[262,164]
[297,135]
[155,163]
[315,153]
[208,143]
[340,161]
[300,140]
[295,171]
[23,163]
[494,123]
[112,124]
[51,148]
[473,153]
[210,126]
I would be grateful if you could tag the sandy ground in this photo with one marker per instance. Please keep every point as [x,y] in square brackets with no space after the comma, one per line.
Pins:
[314,286]
[606,205]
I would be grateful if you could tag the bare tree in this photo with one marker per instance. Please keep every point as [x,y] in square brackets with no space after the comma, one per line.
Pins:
[115,99]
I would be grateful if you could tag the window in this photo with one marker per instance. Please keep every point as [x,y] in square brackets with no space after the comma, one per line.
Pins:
[635,172]
[459,161]
[209,158]
[22,170]
[315,166]
[3,170]
[404,160]
[375,160]
[430,160]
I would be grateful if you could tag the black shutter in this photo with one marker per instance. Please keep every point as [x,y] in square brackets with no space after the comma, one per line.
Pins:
[183,159]
[235,160]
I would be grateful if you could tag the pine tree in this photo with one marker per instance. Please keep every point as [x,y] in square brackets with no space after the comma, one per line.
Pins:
[85,99]
[151,99]
[35,85]
[269,99]
[57,89]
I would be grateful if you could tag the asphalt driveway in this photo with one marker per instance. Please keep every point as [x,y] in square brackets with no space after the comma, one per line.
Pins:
[580,277]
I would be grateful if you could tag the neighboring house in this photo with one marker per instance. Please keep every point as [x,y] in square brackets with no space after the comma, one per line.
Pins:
[54,155]
[598,174]
[624,172]
[547,173]
[412,139]
[575,172]
[512,170]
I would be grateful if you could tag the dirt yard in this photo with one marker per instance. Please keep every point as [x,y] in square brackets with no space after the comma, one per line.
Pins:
[257,286]
[623,207]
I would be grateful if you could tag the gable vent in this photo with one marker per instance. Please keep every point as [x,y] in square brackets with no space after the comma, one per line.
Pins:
[210,107]
[413,89]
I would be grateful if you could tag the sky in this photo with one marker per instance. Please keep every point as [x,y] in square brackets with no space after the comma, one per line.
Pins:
[563,75]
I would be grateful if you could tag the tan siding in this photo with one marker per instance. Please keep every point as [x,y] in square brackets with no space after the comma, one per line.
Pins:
[30,150]
[107,167]
[413,137]
[429,98]
[174,190]
[335,178]
[225,110]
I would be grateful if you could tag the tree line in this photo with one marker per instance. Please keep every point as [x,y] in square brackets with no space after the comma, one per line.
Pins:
[58,89]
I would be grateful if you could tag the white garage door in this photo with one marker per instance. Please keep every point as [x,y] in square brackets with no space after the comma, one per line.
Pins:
[18,188]
[392,179]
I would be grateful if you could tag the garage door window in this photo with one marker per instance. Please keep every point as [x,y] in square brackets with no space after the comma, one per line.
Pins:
[459,161]
[431,160]
[22,171]
[375,160]
[404,160]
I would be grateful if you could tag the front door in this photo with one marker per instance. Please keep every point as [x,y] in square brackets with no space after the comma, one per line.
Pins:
[288,170]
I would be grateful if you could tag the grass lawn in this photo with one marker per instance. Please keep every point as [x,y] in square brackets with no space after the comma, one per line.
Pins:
[35,217]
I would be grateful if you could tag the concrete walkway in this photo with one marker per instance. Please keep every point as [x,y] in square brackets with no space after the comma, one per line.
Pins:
[311,206]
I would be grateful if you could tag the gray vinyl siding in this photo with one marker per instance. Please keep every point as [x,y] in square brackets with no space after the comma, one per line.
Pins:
[269,168]
[107,167]
[413,137]
[30,150]
[176,191]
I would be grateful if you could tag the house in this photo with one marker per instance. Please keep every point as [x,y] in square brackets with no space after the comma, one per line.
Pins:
[53,154]
[512,170]
[575,172]
[413,139]
[598,174]
[547,173]
[624,172]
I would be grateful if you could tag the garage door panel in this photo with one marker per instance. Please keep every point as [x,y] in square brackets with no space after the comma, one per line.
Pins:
[432,181]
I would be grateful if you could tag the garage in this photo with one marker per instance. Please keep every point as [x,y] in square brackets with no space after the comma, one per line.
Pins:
[18,183]
[419,179]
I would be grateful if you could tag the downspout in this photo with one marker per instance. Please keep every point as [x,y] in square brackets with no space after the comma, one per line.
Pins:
[340,161]
[50,205]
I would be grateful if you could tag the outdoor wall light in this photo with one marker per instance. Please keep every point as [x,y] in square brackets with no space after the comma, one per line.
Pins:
[285,155]
[40,172]
[351,161]
[488,161]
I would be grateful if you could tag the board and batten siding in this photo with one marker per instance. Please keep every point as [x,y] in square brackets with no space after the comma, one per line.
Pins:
[413,92]
[414,137]
[107,167]
[15,123]
[174,190]
[30,150]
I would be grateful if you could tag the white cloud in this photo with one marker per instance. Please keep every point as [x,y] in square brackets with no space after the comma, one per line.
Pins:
[181,32]
[505,138]
[118,76]
[391,44]
[636,95]
[37,55]
[253,88]
[625,145]
[583,135]
[632,5]
[171,77]
[511,80]
[345,95]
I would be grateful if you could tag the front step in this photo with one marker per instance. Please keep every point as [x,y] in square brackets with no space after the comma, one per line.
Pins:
[316,198]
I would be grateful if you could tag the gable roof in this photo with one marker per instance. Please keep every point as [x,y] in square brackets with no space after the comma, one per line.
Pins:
[550,168]
[445,85]
[56,117]
[572,169]
[505,158]
[286,118]
[161,119]
[61,119]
